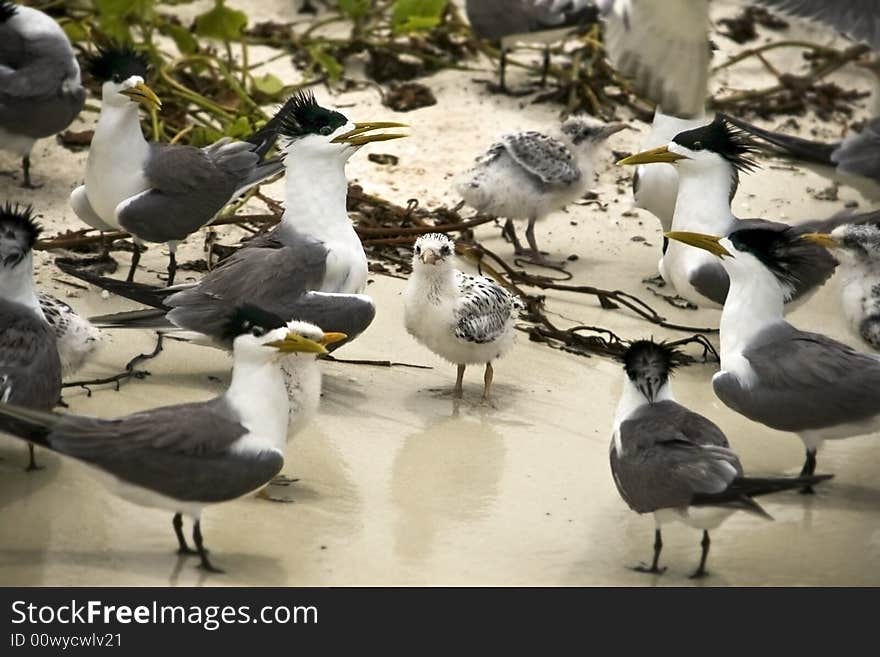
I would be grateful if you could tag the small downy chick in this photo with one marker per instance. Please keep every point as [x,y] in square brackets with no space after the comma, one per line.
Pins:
[529,175]
[467,320]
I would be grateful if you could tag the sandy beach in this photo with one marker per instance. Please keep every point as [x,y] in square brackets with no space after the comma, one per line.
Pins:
[400,484]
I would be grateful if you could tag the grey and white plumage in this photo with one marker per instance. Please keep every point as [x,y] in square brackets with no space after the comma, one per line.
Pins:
[510,22]
[709,160]
[462,318]
[226,448]
[772,372]
[76,336]
[40,88]
[857,19]
[30,368]
[528,175]
[674,463]
[157,192]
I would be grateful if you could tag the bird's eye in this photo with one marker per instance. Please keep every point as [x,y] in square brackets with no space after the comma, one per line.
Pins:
[445,250]
[117,78]
[418,250]
[698,145]
[325,130]
[258,331]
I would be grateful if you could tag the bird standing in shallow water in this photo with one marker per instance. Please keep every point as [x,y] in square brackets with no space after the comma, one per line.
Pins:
[772,372]
[40,87]
[462,318]
[188,456]
[528,175]
[674,463]
[30,368]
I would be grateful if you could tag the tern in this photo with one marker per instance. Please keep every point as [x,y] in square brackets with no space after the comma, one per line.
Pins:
[528,175]
[185,457]
[157,192]
[677,464]
[709,160]
[40,88]
[511,22]
[772,372]
[30,368]
[76,336]
[464,319]
[312,267]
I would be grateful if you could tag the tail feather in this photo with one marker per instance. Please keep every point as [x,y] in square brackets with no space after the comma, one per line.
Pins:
[150,318]
[26,423]
[741,491]
[804,149]
[149,295]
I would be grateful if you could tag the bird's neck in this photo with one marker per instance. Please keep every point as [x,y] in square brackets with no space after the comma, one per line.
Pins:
[703,201]
[754,302]
[436,282]
[17,285]
[632,399]
[118,129]
[258,394]
[315,196]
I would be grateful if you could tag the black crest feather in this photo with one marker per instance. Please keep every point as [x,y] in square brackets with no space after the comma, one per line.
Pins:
[117,63]
[301,115]
[782,251]
[724,138]
[246,317]
[20,218]
[7,10]
[647,355]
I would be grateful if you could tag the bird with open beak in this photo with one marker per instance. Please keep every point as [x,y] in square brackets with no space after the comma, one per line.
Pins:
[772,372]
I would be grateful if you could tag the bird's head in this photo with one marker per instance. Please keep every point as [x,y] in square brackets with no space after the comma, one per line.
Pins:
[433,252]
[310,129]
[858,243]
[648,365]
[260,336]
[7,11]
[782,251]
[708,147]
[587,131]
[18,232]
[122,72]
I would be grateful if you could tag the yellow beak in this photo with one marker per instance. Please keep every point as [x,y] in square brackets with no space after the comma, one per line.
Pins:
[661,154]
[141,93]
[710,243]
[822,239]
[357,137]
[295,343]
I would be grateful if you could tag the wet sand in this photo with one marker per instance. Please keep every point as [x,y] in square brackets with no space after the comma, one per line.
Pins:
[399,484]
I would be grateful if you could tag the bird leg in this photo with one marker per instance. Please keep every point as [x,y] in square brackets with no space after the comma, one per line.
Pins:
[546,67]
[535,255]
[509,232]
[658,546]
[200,546]
[32,463]
[701,569]
[26,171]
[487,381]
[135,259]
[459,380]
[177,523]
[502,70]
[172,267]
[808,469]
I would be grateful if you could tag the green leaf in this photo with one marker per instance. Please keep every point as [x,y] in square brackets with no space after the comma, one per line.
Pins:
[354,9]
[76,31]
[183,38]
[268,85]
[416,15]
[241,127]
[202,136]
[221,23]
[116,16]
[326,61]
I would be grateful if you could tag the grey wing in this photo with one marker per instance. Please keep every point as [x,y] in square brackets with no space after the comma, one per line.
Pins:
[546,158]
[485,309]
[661,467]
[342,313]
[188,186]
[711,281]
[30,368]
[858,19]
[859,153]
[803,381]
[664,48]
[274,279]
[184,460]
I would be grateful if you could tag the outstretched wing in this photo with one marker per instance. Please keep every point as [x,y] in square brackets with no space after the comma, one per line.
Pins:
[546,158]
